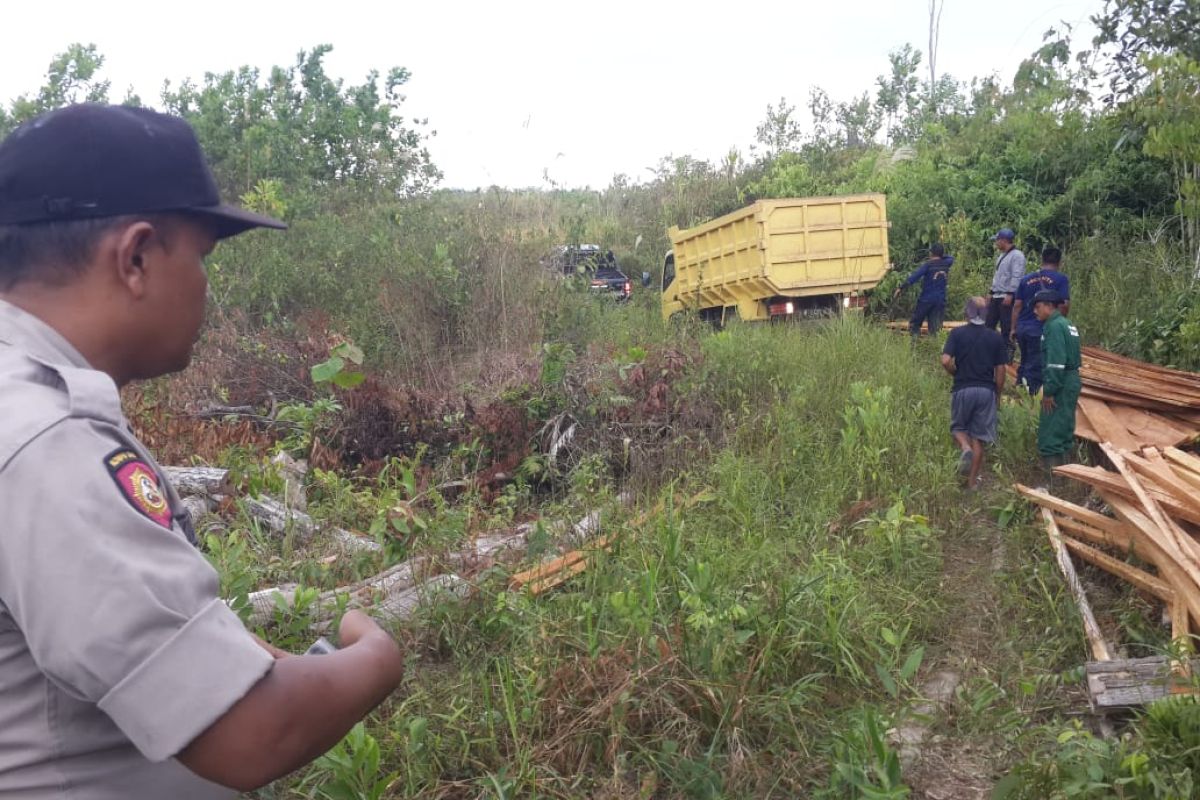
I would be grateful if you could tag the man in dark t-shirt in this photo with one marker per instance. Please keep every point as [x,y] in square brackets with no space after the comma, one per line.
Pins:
[976,356]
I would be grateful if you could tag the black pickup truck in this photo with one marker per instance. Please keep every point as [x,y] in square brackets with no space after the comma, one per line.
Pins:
[598,267]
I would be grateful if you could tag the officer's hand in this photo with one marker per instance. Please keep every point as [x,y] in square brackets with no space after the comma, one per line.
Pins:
[358,627]
[1007,300]
[275,652]
[1048,404]
[355,626]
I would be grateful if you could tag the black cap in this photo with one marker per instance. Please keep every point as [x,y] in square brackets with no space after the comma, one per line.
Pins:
[1047,296]
[87,161]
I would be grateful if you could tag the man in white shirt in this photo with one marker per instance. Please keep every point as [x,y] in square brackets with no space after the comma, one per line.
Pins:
[1010,268]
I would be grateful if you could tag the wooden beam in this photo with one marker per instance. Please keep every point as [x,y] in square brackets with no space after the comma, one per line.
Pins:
[1180,622]
[1106,423]
[1086,515]
[1157,471]
[1186,460]
[1127,543]
[1169,564]
[1140,579]
[1091,628]
[1174,540]
[1150,428]
[1100,478]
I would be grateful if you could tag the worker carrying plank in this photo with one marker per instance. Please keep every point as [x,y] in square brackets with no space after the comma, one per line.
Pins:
[1026,327]
[125,675]
[1061,360]
[931,304]
[977,358]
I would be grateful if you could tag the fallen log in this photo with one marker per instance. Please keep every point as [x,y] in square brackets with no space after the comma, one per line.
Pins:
[197,507]
[403,605]
[293,473]
[280,519]
[395,579]
[391,593]
[208,481]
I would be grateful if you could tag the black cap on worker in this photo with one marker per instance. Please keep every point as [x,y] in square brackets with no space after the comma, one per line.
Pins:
[88,161]
[1047,296]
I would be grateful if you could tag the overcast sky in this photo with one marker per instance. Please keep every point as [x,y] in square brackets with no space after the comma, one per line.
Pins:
[578,90]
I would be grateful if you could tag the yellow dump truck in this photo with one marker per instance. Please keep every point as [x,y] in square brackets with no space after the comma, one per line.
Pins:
[779,258]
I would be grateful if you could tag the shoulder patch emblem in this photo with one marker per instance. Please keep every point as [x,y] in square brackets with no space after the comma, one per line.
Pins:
[139,485]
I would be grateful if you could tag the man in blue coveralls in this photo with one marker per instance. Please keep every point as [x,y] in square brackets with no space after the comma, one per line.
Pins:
[931,305]
[1026,327]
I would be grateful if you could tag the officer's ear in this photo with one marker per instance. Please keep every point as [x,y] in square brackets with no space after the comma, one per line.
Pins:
[137,245]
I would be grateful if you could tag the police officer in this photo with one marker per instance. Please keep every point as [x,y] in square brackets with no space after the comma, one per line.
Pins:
[1061,360]
[123,674]
[1026,328]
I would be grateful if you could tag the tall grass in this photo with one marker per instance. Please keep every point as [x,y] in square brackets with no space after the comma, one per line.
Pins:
[723,648]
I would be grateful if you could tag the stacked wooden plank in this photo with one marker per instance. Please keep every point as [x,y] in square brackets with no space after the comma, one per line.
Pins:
[1133,404]
[1151,542]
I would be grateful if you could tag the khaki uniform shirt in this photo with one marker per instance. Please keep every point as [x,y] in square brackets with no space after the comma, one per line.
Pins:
[115,651]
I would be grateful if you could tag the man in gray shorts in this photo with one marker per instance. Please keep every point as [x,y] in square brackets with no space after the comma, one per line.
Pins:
[976,356]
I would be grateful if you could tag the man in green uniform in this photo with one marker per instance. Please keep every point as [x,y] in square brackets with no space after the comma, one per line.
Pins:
[1060,387]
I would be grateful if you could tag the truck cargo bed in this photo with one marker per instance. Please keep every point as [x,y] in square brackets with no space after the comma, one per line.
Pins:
[778,250]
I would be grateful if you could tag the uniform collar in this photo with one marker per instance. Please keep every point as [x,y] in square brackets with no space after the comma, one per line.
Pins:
[22,329]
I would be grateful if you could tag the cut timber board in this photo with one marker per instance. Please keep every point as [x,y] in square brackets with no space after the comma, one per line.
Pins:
[1083,428]
[1149,428]
[1108,395]
[1100,478]
[1107,425]
[1091,629]
[1139,579]
[1127,683]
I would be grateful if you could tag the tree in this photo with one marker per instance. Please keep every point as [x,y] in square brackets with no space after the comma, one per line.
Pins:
[935,35]
[1170,110]
[1046,81]
[897,94]
[306,130]
[1138,29]
[858,122]
[780,131]
[71,78]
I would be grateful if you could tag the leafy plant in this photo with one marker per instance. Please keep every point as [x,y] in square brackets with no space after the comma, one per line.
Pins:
[865,767]
[350,770]
[334,370]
